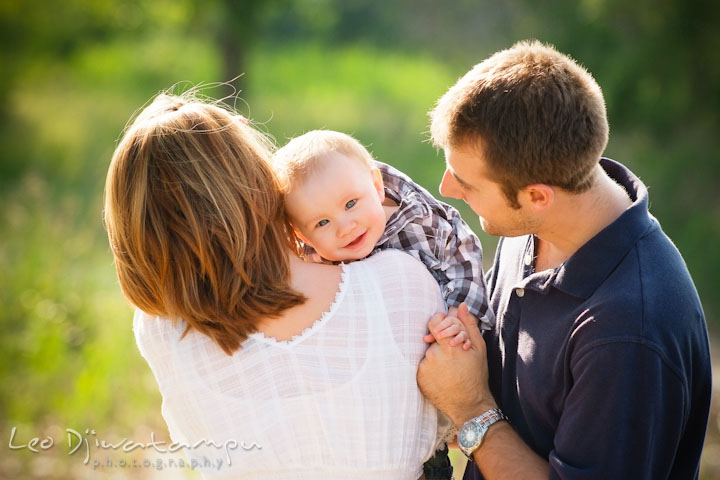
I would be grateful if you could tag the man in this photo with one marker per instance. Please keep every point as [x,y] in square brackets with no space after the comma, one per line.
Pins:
[600,357]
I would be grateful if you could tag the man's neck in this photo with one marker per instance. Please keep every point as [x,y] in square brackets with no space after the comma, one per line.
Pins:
[576,218]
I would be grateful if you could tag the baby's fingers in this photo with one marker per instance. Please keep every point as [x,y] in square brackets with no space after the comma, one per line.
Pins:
[460,339]
[448,331]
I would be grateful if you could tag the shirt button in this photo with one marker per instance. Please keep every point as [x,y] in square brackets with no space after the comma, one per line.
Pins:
[520,292]
[528,259]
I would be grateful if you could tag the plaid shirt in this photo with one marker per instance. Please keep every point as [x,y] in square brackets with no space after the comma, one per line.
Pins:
[434,233]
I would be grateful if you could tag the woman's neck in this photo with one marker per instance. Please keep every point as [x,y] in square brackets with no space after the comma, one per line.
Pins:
[319,283]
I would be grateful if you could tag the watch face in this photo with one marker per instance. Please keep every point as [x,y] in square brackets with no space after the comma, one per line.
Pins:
[468,435]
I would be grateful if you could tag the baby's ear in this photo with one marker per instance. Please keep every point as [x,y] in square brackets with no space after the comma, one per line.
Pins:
[299,234]
[378,182]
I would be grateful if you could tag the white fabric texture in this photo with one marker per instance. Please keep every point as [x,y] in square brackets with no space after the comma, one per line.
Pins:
[338,401]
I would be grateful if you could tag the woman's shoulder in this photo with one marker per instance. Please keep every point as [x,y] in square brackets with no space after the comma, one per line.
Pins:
[392,259]
[394,267]
[155,331]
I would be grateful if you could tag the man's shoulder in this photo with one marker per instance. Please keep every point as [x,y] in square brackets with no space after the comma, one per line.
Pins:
[668,290]
[655,270]
[649,297]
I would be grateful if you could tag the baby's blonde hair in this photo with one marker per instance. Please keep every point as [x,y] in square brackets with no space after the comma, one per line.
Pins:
[305,154]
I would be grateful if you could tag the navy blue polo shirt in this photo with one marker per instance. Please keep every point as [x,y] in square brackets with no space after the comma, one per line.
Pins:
[603,364]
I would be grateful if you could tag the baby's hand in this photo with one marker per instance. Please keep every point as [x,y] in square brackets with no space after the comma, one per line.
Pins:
[451,326]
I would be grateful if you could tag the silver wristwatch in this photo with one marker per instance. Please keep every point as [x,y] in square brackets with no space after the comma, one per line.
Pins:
[472,432]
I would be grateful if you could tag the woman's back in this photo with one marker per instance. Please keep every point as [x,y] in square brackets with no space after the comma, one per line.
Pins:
[339,400]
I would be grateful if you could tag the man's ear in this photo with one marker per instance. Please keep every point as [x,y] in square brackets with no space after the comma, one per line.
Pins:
[537,196]
[378,182]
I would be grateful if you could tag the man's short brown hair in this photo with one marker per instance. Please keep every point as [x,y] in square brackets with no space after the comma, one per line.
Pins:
[536,115]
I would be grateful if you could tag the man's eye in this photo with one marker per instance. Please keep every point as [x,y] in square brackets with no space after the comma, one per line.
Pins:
[350,204]
[323,222]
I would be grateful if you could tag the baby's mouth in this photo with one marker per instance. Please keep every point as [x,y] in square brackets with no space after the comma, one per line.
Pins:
[356,242]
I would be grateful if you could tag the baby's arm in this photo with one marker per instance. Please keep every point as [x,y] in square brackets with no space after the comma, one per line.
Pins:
[451,326]
[461,262]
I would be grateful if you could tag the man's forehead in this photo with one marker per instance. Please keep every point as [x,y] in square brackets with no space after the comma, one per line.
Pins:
[464,163]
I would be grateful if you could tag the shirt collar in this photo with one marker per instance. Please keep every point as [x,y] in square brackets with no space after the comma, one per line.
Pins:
[401,189]
[586,269]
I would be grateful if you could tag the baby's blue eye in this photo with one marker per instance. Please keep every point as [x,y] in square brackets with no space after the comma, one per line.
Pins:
[350,204]
[323,222]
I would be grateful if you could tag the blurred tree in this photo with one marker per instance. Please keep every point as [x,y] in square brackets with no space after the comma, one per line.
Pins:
[39,41]
[235,25]
[665,64]
[33,32]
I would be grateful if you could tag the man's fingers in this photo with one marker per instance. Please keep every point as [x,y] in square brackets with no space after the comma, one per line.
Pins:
[470,322]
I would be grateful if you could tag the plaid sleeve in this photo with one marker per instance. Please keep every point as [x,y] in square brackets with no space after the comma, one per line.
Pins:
[460,255]
[434,232]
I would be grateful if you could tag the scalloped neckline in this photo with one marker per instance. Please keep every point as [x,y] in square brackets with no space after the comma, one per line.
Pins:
[317,324]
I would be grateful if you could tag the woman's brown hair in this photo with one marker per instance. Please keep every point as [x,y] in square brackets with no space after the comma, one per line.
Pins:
[196,222]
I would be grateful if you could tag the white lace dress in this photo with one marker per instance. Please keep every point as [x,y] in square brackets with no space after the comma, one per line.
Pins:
[338,401]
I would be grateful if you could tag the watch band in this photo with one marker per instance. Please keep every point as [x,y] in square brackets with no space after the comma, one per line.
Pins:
[472,433]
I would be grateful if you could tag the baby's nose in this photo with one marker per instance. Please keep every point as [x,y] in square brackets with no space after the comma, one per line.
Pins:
[347,227]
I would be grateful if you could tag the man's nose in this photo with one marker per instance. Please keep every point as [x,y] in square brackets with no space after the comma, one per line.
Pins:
[448,186]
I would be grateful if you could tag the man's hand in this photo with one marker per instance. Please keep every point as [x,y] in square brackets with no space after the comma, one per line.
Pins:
[453,379]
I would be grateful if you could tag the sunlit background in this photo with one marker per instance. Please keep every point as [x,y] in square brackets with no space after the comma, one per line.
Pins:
[73,72]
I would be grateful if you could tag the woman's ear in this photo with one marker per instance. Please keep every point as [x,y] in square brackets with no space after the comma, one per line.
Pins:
[378,182]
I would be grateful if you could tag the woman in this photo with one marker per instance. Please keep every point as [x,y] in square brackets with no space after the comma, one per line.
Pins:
[269,367]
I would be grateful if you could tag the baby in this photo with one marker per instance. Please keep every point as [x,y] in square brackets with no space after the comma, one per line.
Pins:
[344,206]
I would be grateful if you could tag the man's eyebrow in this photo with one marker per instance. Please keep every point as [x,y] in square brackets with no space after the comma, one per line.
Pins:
[462,182]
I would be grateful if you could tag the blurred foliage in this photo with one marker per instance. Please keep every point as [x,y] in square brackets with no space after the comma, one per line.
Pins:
[74,72]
